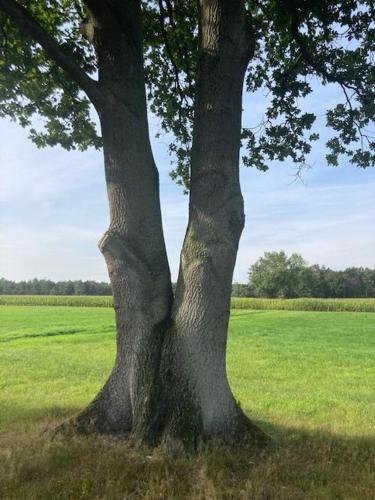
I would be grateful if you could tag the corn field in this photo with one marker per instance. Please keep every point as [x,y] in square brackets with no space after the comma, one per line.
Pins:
[304,304]
[57,300]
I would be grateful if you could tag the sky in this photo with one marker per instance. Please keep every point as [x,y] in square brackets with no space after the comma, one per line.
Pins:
[53,207]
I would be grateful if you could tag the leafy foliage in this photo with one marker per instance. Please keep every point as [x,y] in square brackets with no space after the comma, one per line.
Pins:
[48,287]
[298,45]
[33,88]
[171,53]
[277,275]
[297,42]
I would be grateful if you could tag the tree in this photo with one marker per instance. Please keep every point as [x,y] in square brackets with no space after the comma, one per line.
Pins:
[188,60]
[267,275]
[277,275]
[241,290]
[299,277]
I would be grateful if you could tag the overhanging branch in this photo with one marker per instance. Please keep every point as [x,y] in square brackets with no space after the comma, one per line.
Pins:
[29,25]
[312,61]
[170,53]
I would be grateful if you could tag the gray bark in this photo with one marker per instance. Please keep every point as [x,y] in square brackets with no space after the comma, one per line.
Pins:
[202,305]
[169,381]
[133,245]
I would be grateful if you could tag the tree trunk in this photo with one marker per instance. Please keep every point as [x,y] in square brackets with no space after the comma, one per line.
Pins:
[133,245]
[203,405]
[169,381]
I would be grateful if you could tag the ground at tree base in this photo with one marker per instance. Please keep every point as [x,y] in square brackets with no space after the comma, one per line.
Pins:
[301,465]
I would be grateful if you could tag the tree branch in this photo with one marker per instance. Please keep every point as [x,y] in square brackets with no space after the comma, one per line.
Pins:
[316,64]
[29,25]
[170,53]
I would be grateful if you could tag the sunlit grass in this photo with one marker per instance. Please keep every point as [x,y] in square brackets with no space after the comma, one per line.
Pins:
[305,369]
[306,377]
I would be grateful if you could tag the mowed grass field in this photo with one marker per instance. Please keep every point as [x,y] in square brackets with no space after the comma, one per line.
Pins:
[308,378]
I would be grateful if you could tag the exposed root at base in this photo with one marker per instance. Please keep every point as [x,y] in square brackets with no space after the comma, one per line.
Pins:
[169,444]
[173,435]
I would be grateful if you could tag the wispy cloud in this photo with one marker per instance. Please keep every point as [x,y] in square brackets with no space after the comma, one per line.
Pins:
[328,224]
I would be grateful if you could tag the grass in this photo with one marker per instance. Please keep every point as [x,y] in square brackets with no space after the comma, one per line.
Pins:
[302,304]
[306,377]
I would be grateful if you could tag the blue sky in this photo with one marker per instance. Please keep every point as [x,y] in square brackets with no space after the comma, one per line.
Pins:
[53,207]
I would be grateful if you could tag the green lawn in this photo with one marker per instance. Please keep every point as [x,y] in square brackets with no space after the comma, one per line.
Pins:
[307,377]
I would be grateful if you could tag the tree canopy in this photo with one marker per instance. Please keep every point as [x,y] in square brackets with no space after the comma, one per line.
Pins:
[277,275]
[295,43]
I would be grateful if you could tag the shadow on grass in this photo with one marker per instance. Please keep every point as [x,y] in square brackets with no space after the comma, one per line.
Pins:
[301,464]
[17,417]
[247,312]
[58,333]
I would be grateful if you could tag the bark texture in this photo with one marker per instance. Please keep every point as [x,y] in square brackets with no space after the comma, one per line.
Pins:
[202,305]
[133,245]
[169,382]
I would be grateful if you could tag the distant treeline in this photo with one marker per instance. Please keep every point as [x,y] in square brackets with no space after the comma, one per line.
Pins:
[275,275]
[48,287]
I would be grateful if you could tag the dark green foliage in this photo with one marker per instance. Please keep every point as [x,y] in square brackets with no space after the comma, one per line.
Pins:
[277,275]
[352,282]
[48,287]
[242,290]
[35,90]
[298,45]
[311,281]
[297,42]
[171,52]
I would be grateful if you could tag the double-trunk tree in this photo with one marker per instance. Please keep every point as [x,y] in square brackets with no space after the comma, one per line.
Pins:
[169,383]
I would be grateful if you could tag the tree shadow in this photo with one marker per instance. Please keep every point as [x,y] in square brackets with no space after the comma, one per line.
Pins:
[29,417]
[299,464]
[58,333]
